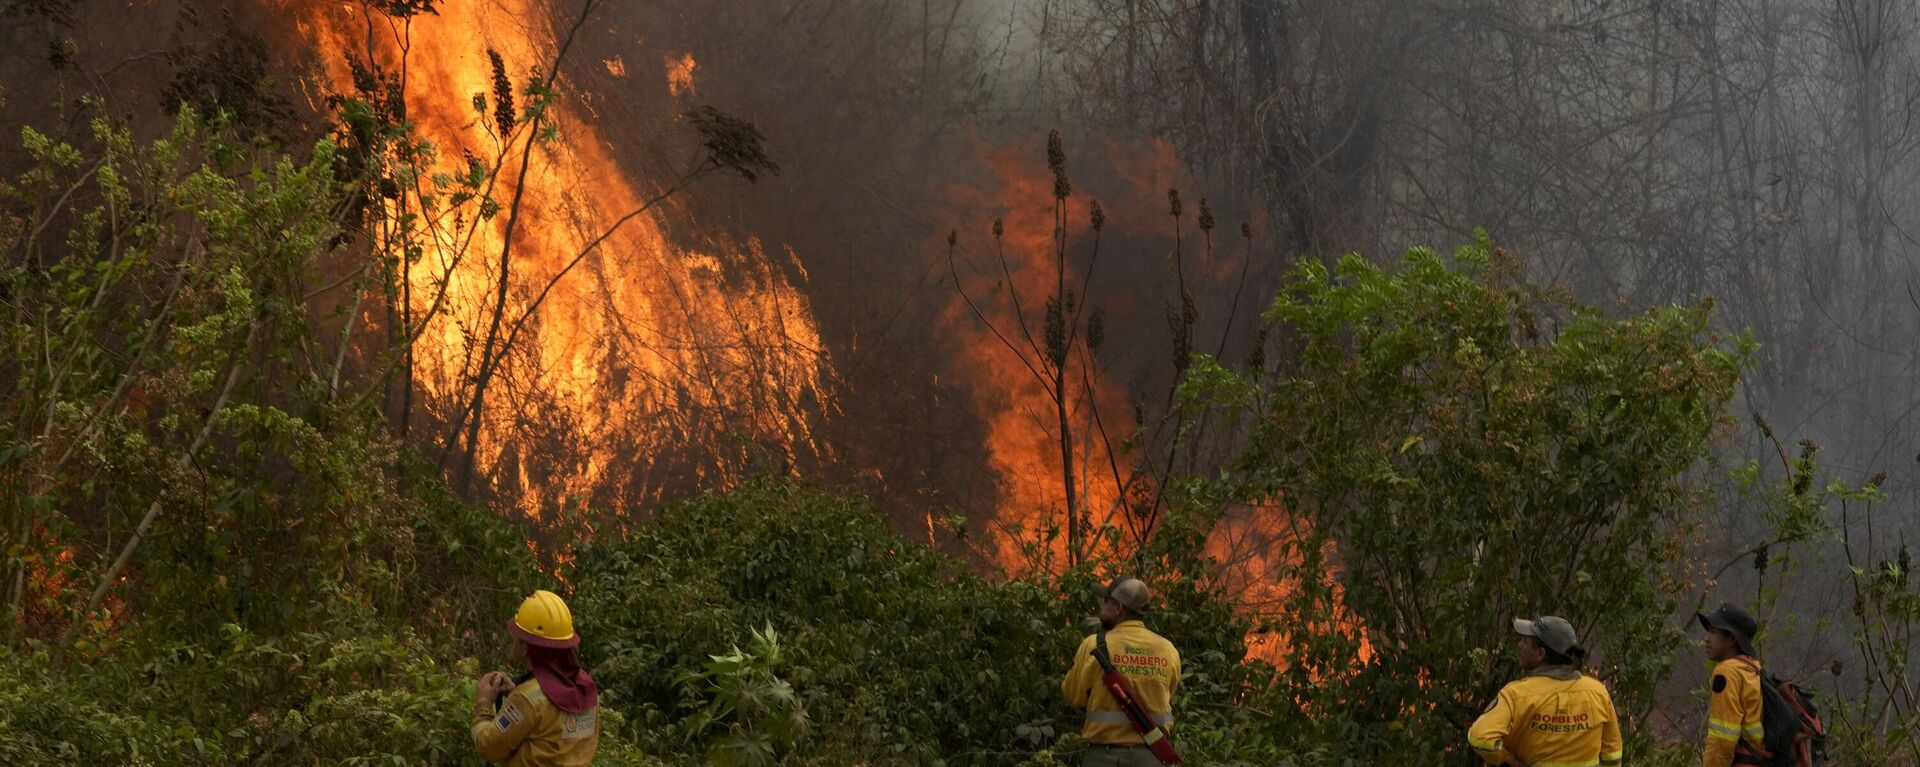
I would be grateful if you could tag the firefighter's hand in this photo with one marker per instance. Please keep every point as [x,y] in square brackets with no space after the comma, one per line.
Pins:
[491,685]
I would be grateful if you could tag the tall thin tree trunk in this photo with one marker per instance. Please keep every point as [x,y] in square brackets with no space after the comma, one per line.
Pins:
[1133,44]
[1059,360]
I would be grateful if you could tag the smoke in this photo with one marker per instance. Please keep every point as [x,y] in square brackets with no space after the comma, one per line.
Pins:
[1755,151]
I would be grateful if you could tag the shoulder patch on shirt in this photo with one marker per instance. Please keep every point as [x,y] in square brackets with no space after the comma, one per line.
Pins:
[509,716]
[1719,682]
[576,726]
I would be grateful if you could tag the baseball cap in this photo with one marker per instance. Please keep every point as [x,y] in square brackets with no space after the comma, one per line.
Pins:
[1554,632]
[1132,593]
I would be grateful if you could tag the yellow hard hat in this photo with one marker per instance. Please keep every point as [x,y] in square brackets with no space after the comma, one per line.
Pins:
[544,620]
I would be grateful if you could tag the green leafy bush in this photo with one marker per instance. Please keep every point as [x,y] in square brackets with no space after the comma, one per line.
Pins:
[1453,448]
[306,699]
[44,721]
[757,715]
[903,655]
[307,589]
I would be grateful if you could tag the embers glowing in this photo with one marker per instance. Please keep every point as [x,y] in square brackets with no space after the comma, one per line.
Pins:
[680,74]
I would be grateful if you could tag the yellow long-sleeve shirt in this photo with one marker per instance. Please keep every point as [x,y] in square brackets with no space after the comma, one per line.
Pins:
[1554,717]
[529,731]
[1733,714]
[1152,666]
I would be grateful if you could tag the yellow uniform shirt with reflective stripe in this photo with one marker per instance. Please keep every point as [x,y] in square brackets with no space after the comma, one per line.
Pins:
[529,731]
[1733,713]
[1551,719]
[1152,666]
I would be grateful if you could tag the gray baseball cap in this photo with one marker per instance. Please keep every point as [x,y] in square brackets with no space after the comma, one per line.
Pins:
[1132,593]
[1554,632]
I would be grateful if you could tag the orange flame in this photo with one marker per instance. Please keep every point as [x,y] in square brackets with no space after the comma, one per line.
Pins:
[46,577]
[1260,569]
[1022,425]
[1254,544]
[1251,575]
[680,74]
[651,350]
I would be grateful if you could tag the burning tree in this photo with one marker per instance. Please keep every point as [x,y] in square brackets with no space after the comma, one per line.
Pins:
[1061,354]
[240,300]
[542,313]
[1053,360]
[1111,451]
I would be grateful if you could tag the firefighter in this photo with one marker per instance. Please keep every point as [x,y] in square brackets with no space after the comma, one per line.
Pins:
[1735,734]
[1554,715]
[549,716]
[1149,662]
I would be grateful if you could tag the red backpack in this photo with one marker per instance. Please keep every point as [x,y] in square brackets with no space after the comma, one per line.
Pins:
[1795,735]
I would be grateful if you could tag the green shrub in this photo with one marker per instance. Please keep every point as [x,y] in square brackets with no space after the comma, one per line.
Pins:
[1456,448]
[902,654]
[44,721]
[307,699]
[754,716]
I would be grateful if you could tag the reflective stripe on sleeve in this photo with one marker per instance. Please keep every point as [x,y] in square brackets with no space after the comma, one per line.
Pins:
[1491,747]
[1613,758]
[1723,730]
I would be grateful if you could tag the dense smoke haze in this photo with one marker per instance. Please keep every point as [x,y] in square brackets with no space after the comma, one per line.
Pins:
[819,322]
[1635,153]
[1756,153]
